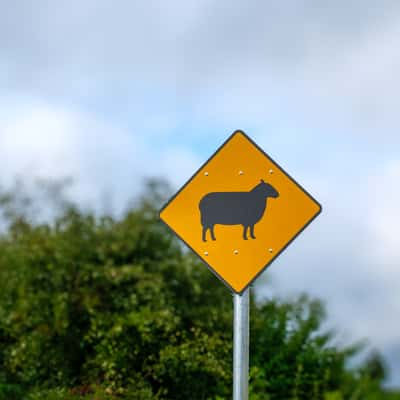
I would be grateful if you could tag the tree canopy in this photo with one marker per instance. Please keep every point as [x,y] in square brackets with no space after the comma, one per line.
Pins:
[103,307]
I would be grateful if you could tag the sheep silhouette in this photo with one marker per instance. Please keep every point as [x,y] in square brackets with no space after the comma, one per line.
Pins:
[235,208]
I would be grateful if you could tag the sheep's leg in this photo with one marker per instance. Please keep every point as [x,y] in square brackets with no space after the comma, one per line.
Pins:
[212,232]
[204,234]
[252,232]
[245,232]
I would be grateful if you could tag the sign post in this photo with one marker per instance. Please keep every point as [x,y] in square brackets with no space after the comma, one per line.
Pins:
[241,345]
[238,213]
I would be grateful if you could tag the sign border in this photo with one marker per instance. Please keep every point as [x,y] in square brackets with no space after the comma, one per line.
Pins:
[238,131]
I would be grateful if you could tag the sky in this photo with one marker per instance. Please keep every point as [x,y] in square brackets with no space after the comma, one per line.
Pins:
[110,93]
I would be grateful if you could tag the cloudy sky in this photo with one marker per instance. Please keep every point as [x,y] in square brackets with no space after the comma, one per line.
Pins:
[109,92]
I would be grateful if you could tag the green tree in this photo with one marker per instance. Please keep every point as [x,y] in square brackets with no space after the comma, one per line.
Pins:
[100,307]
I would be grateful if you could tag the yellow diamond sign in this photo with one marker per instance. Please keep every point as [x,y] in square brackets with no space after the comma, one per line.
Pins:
[239,211]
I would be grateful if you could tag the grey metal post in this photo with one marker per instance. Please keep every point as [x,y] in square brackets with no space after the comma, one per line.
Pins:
[241,346]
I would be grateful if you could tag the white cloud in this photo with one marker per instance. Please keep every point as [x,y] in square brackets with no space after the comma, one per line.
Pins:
[36,140]
[383,198]
[39,140]
[250,62]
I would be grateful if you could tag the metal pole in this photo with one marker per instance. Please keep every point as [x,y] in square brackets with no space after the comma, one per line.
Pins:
[241,346]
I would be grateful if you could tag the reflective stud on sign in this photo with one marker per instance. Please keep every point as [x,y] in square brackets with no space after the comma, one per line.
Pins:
[230,222]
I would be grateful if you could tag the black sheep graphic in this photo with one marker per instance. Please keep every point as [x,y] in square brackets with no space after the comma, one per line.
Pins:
[235,208]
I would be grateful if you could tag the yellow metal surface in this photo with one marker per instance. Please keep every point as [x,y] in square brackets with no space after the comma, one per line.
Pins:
[238,166]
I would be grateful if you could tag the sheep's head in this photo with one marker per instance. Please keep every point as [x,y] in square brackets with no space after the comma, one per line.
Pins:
[268,190]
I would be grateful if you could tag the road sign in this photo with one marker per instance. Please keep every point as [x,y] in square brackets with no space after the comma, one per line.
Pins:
[239,211]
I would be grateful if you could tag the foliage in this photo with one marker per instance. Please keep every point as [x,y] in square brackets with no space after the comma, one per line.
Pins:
[114,308]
